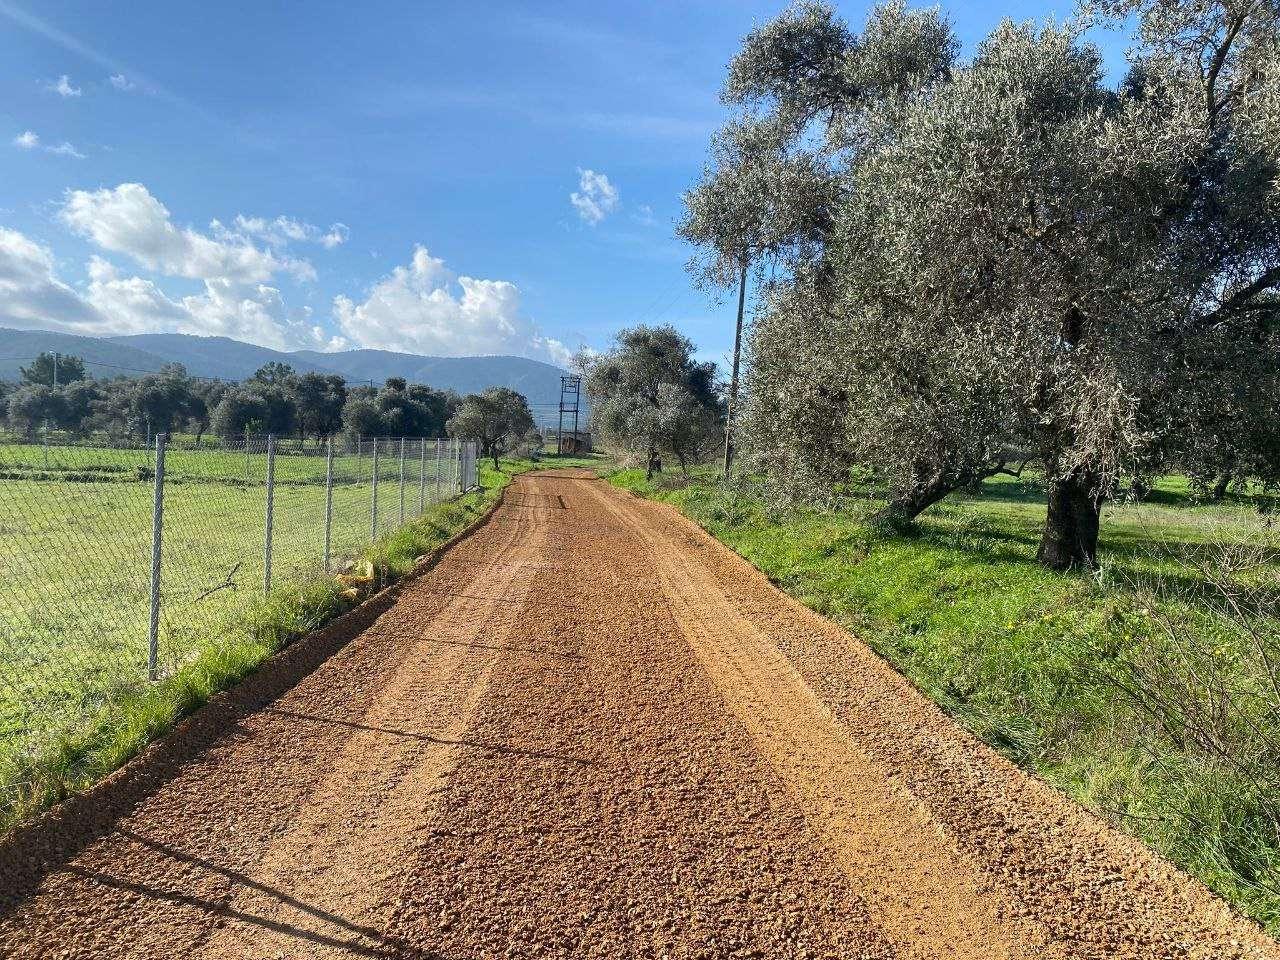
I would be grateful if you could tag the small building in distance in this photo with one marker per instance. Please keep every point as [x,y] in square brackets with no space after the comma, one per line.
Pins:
[574,443]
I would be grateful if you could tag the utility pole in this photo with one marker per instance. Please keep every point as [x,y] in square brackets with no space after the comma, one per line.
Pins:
[46,419]
[733,380]
[570,389]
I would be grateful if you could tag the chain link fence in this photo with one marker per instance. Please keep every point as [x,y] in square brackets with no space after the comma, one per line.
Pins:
[118,565]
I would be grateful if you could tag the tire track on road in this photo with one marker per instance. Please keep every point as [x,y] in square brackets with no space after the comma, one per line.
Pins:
[922,891]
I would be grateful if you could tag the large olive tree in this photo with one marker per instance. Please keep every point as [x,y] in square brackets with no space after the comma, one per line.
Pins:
[497,419]
[651,398]
[1018,259]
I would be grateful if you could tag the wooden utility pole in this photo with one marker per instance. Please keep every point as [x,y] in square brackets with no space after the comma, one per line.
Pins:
[733,380]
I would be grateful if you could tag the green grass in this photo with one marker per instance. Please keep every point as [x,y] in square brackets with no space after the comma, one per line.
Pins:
[1036,663]
[75,563]
[76,617]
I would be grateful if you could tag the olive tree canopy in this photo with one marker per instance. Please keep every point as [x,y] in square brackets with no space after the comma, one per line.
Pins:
[1006,257]
[651,398]
[498,419]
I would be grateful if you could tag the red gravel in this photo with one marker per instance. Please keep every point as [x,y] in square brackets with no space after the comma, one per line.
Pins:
[589,730]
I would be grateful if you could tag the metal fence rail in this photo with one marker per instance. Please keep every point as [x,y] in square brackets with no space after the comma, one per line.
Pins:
[118,565]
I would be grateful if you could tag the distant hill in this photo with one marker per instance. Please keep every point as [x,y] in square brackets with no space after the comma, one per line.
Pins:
[215,356]
[229,359]
[18,347]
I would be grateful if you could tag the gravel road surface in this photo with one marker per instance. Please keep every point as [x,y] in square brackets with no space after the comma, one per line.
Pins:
[588,731]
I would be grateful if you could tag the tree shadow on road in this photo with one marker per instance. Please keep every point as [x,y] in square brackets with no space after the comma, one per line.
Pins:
[427,738]
[365,941]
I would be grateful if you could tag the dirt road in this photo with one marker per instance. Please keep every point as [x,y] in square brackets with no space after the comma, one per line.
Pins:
[588,731]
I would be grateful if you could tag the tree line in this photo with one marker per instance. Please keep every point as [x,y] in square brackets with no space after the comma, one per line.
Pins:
[57,393]
[969,266]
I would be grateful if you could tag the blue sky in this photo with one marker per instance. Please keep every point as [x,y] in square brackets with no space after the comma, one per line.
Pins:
[377,174]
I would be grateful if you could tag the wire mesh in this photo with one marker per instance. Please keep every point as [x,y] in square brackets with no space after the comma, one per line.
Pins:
[76,551]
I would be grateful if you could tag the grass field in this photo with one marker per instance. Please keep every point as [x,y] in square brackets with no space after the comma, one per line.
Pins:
[1148,690]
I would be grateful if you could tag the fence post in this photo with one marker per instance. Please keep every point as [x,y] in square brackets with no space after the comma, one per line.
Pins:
[271,496]
[328,501]
[373,510]
[157,533]
[422,475]
[457,464]
[402,481]
[439,464]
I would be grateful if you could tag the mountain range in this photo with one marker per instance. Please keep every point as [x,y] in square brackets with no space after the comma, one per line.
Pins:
[226,359]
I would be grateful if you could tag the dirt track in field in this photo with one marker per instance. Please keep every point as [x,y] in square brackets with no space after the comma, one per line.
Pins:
[588,731]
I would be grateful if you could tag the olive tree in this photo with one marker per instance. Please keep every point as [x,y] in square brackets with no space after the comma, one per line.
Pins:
[42,370]
[1019,260]
[651,398]
[497,419]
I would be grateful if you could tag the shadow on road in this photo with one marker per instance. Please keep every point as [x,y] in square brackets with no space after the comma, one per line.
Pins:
[414,735]
[365,942]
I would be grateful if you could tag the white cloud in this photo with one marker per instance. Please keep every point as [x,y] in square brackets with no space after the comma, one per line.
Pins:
[644,216]
[129,220]
[285,230]
[63,87]
[424,308]
[65,149]
[336,237]
[121,82]
[239,300]
[30,140]
[595,197]
[245,311]
[420,306]
[31,295]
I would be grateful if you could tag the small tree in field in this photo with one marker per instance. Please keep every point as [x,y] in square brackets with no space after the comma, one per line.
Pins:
[498,419]
[651,398]
[33,406]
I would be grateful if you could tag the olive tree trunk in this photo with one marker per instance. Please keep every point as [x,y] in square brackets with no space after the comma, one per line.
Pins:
[929,486]
[1220,487]
[1070,537]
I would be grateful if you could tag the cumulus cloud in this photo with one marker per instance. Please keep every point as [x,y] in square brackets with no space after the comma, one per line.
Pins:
[31,295]
[424,308]
[27,140]
[63,88]
[128,219]
[419,307]
[122,83]
[595,197]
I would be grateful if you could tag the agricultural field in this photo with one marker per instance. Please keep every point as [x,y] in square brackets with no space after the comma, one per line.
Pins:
[1147,690]
[75,569]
